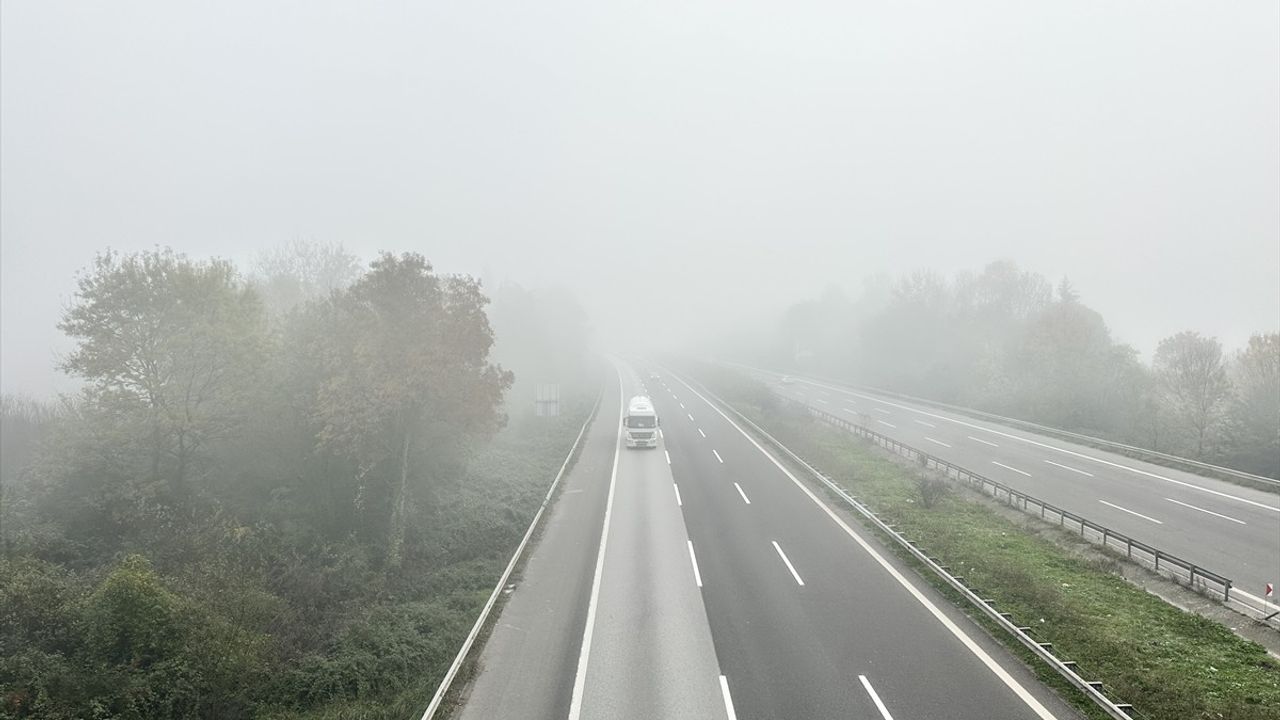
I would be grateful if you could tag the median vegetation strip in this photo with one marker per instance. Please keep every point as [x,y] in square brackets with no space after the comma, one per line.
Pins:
[1166,662]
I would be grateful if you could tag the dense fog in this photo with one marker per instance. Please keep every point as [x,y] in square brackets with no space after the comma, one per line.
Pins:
[302,304]
[681,170]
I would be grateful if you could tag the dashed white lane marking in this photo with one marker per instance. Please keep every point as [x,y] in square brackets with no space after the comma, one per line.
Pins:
[851,410]
[790,567]
[678,500]
[1131,512]
[701,433]
[1006,467]
[881,410]
[1193,507]
[718,456]
[690,417]
[884,711]
[1073,453]
[984,442]
[887,424]
[1068,467]
[928,425]
[744,495]
[668,454]
[824,402]
[728,701]
[697,576]
[660,435]
[936,442]
[996,669]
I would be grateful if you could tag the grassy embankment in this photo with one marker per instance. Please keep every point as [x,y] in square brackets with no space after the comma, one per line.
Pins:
[139,639]
[1169,664]
[490,515]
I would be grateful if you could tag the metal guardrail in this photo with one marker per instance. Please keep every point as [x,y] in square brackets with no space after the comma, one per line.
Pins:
[467,644]
[1068,669]
[1194,575]
[1138,453]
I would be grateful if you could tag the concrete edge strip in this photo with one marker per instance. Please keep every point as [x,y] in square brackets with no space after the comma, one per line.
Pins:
[467,644]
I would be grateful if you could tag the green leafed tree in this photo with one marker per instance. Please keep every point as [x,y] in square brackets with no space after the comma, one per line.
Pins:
[407,371]
[170,348]
[1256,407]
[1195,391]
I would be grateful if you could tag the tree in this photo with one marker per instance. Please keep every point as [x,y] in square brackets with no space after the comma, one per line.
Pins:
[406,361]
[290,275]
[1256,410]
[169,347]
[1194,387]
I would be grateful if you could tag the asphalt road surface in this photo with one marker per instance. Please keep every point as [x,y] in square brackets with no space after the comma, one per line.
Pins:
[701,580]
[1221,526]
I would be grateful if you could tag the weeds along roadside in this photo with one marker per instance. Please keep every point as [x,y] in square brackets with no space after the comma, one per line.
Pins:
[515,471]
[1166,662]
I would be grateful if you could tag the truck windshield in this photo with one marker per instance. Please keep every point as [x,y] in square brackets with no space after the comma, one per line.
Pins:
[641,421]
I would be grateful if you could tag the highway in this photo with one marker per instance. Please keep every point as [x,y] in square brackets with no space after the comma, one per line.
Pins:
[701,580]
[1221,526]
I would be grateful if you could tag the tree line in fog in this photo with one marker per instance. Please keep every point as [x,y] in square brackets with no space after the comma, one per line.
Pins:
[1008,341]
[275,489]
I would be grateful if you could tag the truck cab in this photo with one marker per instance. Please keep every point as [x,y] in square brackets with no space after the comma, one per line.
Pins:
[641,423]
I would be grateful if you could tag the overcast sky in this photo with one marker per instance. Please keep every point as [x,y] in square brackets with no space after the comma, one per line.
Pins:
[680,165]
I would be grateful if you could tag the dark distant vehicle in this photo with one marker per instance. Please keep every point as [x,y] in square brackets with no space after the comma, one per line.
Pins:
[641,423]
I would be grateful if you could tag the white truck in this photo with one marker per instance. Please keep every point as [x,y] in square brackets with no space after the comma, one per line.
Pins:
[641,423]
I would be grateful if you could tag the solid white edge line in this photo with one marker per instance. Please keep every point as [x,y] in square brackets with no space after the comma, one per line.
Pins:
[465,650]
[884,711]
[984,442]
[1193,507]
[584,653]
[936,442]
[678,500]
[744,495]
[1068,467]
[1003,675]
[1006,467]
[693,559]
[1131,512]
[718,456]
[790,567]
[1267,605]
[1037,443]
[728,699]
